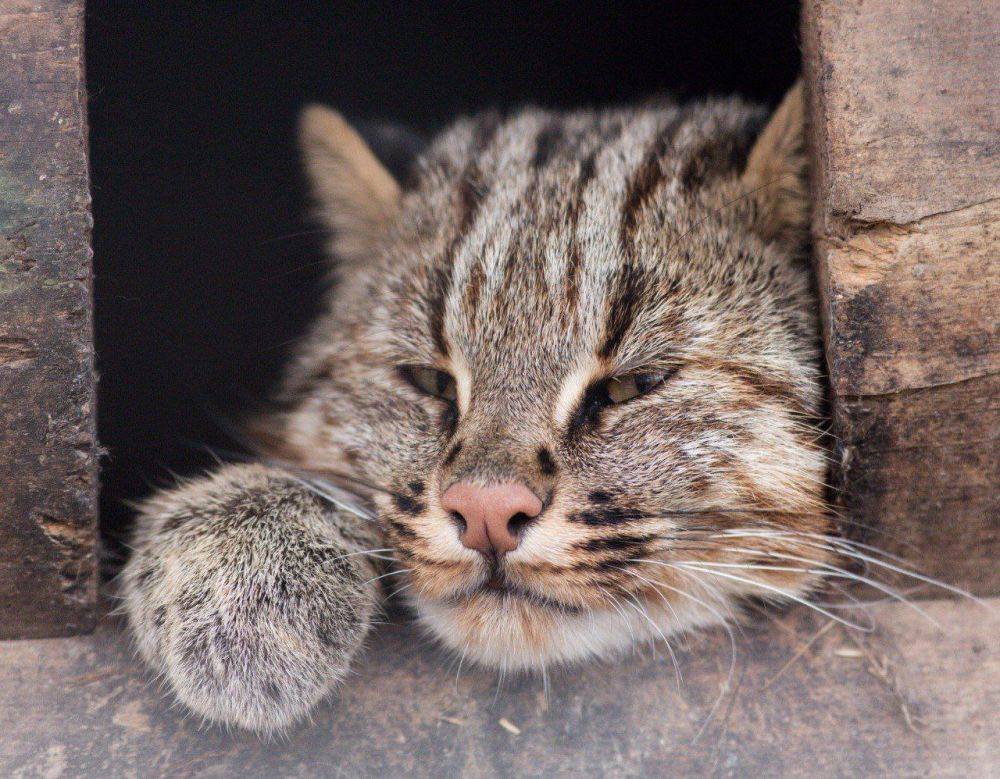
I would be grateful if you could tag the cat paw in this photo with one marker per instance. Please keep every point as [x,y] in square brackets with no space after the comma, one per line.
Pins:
[246,598]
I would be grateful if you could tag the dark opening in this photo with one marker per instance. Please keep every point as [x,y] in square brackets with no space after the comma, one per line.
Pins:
[206,268]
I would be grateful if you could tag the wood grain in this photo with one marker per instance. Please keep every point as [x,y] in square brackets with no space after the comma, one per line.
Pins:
[806,698]
[906,140]
[48,462]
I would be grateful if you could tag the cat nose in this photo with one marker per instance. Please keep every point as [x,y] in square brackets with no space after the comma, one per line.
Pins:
[493,516]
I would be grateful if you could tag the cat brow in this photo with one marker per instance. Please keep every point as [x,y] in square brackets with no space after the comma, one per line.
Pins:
[627,297]
[645,181]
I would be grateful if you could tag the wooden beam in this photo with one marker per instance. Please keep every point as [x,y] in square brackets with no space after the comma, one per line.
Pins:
[905,116]
[808,697]
[48,460]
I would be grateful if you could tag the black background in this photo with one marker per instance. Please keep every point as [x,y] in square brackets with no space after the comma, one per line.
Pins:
[206,269]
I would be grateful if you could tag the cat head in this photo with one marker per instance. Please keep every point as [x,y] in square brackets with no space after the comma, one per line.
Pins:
[577,358]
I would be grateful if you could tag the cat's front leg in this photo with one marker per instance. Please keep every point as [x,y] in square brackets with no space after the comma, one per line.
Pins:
[249,594]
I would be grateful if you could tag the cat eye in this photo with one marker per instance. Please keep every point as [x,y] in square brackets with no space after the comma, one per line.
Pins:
[431,381]
[623,388]
[614,391]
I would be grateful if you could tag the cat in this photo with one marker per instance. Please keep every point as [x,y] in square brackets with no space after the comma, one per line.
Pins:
[564,398]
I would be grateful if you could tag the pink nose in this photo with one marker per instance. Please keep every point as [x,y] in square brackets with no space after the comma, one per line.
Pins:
[493,516]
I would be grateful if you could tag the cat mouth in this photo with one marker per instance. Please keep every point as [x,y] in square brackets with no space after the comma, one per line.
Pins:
[499,587]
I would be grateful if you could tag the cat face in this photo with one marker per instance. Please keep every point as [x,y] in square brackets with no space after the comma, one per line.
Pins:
[605,312]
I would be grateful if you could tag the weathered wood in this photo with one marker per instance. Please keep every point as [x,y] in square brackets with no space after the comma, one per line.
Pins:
[906,138]
[805,699]
[48,472]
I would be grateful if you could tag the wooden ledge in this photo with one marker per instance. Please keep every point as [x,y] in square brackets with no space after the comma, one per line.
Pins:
[807,698]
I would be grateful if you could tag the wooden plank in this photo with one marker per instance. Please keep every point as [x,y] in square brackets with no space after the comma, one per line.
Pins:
[48,463]
[807,698]
[905,117]
[910,105]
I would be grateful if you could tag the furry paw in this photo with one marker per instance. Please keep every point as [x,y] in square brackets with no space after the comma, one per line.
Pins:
[246,594]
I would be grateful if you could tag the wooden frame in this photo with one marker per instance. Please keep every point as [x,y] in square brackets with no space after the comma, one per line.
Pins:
[48,455]
[905,120]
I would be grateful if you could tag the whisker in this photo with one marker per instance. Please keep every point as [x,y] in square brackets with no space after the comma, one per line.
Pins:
[783,532]
[297,234]
[390,573]
[758,511]
[267,458]
[325,473]
[859,608]
[670,649]
[666,601]
[762,585]
[617,607]
[832,570]
[716,211]
[372,552]
[920,577]
[842,521]
[732,646]
[322,491]
[397,591]
[461,660]
[846,546]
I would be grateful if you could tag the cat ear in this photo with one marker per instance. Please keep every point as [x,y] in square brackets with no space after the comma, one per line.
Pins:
[777,172]
[355,195]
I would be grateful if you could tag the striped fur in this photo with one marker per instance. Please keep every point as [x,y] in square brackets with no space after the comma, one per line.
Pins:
[532,256]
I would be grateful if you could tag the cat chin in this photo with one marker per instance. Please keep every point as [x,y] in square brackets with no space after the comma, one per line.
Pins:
[500,631]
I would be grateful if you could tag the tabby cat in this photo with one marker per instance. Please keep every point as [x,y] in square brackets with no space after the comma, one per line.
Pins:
[564,398]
